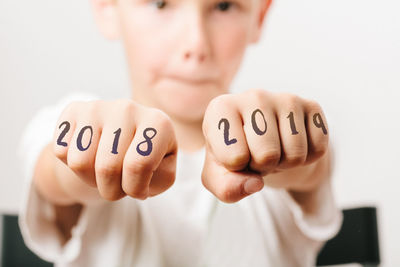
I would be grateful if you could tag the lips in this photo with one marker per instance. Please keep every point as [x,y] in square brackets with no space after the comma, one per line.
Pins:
[192,80]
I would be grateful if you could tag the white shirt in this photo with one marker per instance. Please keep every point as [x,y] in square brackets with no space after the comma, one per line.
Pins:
[184,226]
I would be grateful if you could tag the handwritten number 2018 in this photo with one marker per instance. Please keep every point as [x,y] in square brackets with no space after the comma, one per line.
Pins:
[117,133]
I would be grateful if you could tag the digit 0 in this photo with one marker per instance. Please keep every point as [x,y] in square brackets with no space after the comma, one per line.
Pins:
[226,131]
[63,133]
[146,141]
[256,129]
[80,136]
[319,123]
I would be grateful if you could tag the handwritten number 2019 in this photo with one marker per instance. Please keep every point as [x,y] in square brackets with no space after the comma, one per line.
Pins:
[317,120]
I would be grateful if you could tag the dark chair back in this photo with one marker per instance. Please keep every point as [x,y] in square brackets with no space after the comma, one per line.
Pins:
[356,242]
[14,253]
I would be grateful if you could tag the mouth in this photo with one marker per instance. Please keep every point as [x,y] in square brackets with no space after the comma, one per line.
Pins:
[192,80]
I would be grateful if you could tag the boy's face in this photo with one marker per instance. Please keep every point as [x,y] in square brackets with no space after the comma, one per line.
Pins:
[182,53]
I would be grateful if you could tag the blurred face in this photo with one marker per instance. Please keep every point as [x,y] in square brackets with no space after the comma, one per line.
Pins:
[183,53]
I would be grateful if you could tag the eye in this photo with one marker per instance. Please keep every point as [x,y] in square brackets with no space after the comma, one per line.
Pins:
[160,4]
[224,6]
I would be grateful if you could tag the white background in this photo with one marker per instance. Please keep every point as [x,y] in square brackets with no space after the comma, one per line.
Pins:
[343,53]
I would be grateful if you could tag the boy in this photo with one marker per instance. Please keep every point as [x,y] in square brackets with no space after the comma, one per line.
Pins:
[104,190]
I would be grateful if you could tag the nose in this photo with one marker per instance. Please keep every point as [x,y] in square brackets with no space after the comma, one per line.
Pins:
[196,44]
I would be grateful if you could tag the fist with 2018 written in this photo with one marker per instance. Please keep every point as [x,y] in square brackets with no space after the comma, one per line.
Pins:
[120,147]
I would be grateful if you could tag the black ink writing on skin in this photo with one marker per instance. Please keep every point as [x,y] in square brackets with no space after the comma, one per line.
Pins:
[292,124]
[319,123]
[146,141]
[226,131]
[256,129]
[116,140]
[63,133]
[80,136]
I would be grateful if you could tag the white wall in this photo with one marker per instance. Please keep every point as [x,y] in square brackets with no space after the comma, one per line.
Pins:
[343,53]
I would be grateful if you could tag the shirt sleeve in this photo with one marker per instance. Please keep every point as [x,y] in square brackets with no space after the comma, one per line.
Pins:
[302,235]
[36,215]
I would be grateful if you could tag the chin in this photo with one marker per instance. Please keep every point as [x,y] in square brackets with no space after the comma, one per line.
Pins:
[186,103]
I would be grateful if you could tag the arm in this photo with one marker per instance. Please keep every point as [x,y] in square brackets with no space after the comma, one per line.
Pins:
[307,181]
[71,176]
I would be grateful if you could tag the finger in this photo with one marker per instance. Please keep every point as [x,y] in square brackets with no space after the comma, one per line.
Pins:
[292,131]
[64,131]
[116,137]
[153,140]
[82,151]
[164,176]
[229,186]
[317,131]
[223,130]
[262,135]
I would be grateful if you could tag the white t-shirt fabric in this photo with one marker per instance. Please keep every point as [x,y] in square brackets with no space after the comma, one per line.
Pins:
[184,226]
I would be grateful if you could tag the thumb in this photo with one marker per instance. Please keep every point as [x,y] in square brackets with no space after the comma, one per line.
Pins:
[229,186]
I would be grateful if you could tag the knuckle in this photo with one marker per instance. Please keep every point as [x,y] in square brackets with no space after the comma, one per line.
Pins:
[107,169]
[78,163]
[135,192]
[268,158]
[296,156]
[137,167]
[256,94]
[237,161]
[314,106]
[92,107]
[292,101]
[111,195]
[321,146]
[221,100]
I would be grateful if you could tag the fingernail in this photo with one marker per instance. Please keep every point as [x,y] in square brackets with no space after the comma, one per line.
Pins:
[253,185]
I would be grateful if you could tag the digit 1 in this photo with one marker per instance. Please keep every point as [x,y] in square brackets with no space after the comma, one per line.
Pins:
[254,123]
[147,141]
[63,133]
[319,123]
[226,131]
[80,136]
[116,140]
[292,124]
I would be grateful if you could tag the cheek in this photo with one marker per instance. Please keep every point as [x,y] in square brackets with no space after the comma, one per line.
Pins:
[142,44]
[229,48]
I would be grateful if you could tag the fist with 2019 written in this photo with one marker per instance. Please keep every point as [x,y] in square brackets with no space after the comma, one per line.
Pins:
[257,133]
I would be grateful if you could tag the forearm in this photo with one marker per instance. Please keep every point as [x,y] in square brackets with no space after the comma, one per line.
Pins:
[58,184]
[303,182]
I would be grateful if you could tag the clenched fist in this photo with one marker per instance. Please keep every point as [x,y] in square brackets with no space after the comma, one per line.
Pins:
[120,147]
[252,135]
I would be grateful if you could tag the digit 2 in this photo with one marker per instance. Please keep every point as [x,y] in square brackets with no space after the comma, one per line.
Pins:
[63,133]
[146,141]
[226,131]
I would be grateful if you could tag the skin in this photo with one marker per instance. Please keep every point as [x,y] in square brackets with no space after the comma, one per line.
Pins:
[181,73]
